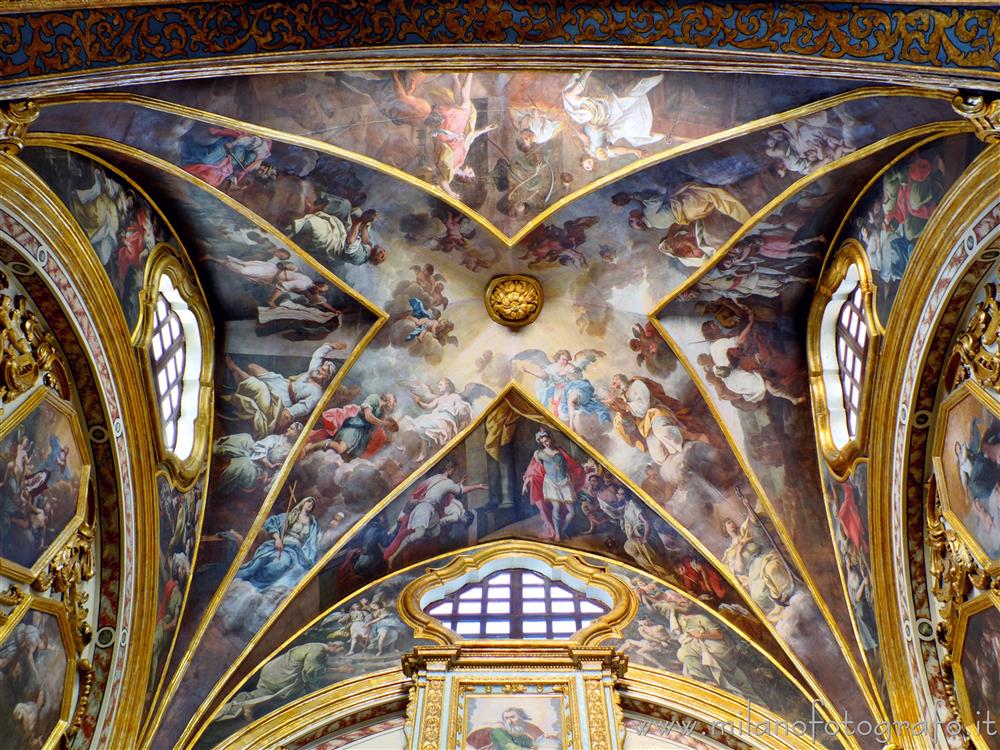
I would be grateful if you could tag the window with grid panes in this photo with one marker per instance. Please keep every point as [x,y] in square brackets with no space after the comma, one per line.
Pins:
[167,356]
[516,603]
[852,352]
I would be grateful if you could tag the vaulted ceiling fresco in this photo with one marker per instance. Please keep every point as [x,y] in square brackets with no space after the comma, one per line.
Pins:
[655,418]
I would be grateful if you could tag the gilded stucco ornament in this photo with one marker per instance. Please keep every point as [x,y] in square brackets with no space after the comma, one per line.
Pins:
[955,575]
[72,566]
[15,117]
[27,351]
[12,597]
[514,300]
[982,113]
[976,349]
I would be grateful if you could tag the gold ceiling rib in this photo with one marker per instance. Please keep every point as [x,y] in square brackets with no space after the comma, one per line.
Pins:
[79,144]
[541,412]
[68,142]
[835,242]
[35,202]
[187,588]
[871,699]
[974,191]
[277,486]
[938,129]
[638,165]
[485,548]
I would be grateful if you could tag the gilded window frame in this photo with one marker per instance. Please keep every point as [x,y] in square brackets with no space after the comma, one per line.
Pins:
[841,459]
[164,260]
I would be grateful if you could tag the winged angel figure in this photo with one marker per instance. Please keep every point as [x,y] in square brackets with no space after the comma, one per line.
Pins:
[562,387]
[447,411]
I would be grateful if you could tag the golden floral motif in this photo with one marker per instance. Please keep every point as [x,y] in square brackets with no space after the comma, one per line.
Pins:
[72,566]
[514,300]
[977,350]
[27,351]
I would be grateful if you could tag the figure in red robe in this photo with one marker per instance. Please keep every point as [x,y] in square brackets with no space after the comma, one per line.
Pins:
[551,482]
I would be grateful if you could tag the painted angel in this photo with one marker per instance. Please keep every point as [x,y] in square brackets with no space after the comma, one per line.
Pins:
[447,411]
[561,386]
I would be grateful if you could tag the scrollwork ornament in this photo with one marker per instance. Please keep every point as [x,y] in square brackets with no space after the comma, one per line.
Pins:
[71,567]
[10,598]
[599,735]
[430,735]
[982,113]
[27,352]
[86,672]
[15,117]
[976,349]
[955,574]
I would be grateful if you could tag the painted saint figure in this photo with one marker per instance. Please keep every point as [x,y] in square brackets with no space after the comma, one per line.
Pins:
[551,482]
[611,125]
[515,732]
[289,553]
[436,504]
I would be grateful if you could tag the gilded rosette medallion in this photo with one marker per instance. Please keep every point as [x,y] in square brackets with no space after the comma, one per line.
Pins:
[514,300]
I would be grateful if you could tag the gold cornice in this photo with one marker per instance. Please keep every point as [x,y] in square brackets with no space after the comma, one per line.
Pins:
[609,625]
[487,56]
[974,191]
[33,201]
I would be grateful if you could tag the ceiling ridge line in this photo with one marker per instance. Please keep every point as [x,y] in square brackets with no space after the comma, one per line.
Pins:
[511,387]
[159,469]
[483,546]
[327,556]
[70,141]
[750,127]
[275,490]
[774,516]
[941,128]
[831,249]
[863,458]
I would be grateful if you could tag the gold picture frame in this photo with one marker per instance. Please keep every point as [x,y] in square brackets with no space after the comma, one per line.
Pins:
[985,603]
[44,396]
[479,702]
[945,464]
[54,608]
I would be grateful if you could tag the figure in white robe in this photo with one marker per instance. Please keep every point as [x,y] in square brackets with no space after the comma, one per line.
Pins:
[608,123]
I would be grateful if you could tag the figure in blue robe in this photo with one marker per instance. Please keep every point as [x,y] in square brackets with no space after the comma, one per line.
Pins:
[290,552]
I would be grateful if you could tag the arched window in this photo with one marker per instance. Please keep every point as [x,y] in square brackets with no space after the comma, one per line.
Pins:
[176,333]
[516,603]
[852,355]
[843,345]
[167,356]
